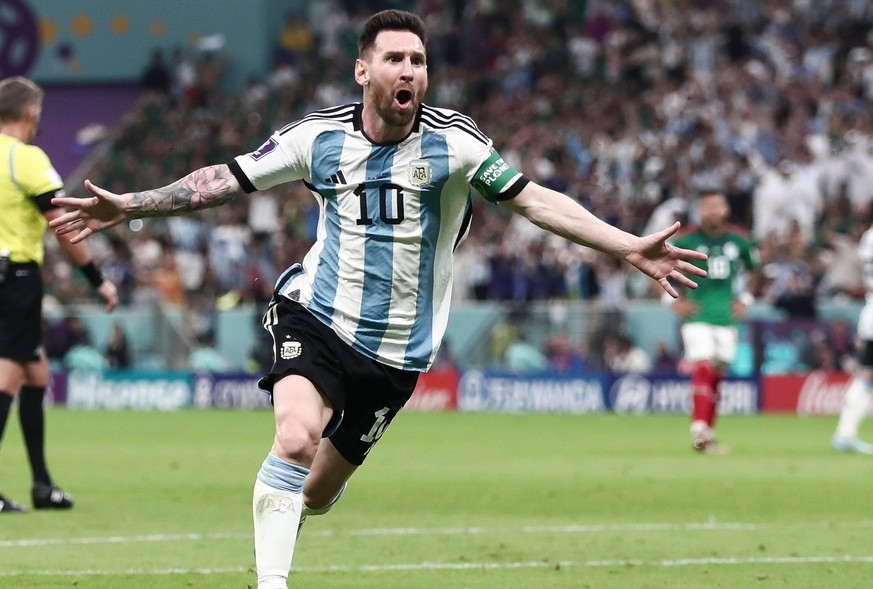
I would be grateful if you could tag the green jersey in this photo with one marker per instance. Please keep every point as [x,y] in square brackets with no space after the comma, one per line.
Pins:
[729,254]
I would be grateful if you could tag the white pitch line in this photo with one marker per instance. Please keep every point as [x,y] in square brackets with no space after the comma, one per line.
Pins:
[451,531]
[464,566]
[118,539]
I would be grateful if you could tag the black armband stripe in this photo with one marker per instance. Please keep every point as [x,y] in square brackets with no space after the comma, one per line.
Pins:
[513,190]
[241,177]
[44,201]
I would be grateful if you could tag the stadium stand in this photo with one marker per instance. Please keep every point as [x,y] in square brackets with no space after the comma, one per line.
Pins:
[632,105]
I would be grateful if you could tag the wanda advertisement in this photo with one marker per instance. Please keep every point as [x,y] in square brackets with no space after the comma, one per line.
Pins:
[815,393]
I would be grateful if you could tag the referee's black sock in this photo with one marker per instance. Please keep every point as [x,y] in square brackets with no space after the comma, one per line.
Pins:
[5,403]
[32,417]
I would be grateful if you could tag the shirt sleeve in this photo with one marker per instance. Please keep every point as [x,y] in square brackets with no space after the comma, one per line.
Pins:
[33,171]
[486,170]
[282,158]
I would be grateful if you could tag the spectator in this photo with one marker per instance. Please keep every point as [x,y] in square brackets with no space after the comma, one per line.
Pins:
[119,269]
[157,77]
[664,360]
[622,356]
[82,355]
[167,280]
[565,357]
[117,348]
[205,357]
[523,357]
[296,41]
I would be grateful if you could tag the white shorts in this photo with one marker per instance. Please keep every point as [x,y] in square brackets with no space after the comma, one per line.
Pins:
[716,343]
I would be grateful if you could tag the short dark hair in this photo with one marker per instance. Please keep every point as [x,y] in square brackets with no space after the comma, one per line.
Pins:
[390,20]
[16,94]
[709,191]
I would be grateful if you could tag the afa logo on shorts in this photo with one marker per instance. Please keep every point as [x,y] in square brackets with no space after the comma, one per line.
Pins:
[290,350]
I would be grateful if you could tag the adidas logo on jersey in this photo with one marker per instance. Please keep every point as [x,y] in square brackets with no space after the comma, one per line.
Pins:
[337,178]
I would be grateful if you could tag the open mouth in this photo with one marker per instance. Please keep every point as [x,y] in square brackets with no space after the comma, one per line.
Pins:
[403,97]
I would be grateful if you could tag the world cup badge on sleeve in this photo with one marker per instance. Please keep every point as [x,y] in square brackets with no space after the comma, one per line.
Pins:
[419,173]
[268,146]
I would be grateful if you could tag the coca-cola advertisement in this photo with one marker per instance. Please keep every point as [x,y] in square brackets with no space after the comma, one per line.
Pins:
[437,390]
[819,392]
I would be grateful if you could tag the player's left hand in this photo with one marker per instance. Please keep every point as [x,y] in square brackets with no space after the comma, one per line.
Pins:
[665,262]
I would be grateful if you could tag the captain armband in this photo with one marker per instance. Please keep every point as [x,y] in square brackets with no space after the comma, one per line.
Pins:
[497,181]
[93,274]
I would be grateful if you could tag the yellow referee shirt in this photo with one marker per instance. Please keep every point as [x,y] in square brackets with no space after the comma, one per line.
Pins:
[25,173]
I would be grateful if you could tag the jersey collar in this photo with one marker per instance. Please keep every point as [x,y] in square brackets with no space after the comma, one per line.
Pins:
[358,125]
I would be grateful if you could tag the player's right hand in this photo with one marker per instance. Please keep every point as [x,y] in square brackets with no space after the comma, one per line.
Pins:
[88,215]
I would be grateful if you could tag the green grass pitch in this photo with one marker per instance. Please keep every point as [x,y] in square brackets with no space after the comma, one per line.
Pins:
[451,500]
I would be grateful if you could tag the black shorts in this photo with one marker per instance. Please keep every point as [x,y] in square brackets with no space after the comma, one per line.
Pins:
[365,394]
[21,313]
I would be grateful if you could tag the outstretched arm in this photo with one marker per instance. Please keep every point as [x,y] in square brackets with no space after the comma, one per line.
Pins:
[651,254]
[201,189]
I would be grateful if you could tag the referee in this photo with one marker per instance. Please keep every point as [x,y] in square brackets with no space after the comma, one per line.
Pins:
[27,184]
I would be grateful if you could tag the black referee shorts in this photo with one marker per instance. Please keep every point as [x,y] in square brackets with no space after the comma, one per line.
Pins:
[21,313]
[365,394]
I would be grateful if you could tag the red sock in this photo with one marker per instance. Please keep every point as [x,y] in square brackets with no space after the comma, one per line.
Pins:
[704,385]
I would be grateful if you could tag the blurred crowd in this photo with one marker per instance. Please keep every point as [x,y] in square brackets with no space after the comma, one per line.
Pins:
[632,106]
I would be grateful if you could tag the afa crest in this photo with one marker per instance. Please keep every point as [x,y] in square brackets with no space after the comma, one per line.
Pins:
[419,173]
[290,350]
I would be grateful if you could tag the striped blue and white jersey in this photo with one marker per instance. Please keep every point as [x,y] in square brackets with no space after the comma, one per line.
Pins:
[391,215]
[865,253]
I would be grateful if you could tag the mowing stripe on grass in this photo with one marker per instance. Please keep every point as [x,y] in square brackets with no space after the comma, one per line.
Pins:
[458,531]
[462,566]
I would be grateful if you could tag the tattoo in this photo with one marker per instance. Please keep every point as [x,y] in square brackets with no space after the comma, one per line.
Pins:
[202,189]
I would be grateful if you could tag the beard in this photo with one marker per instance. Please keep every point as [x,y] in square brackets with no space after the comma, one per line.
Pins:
[383,101]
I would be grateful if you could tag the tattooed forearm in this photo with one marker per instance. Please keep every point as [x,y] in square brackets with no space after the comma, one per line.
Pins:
[202,189]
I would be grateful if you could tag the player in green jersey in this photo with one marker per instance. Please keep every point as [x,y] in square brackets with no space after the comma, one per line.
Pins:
[709,313]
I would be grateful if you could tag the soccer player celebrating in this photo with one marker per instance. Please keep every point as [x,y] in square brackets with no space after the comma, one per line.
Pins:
[710,312]
[362,316]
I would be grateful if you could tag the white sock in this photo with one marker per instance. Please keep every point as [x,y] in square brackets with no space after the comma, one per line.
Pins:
[854,409]
[277,502]
[700,429]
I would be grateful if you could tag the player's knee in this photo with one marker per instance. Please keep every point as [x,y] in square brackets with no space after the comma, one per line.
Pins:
[297,443]
[705,370]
